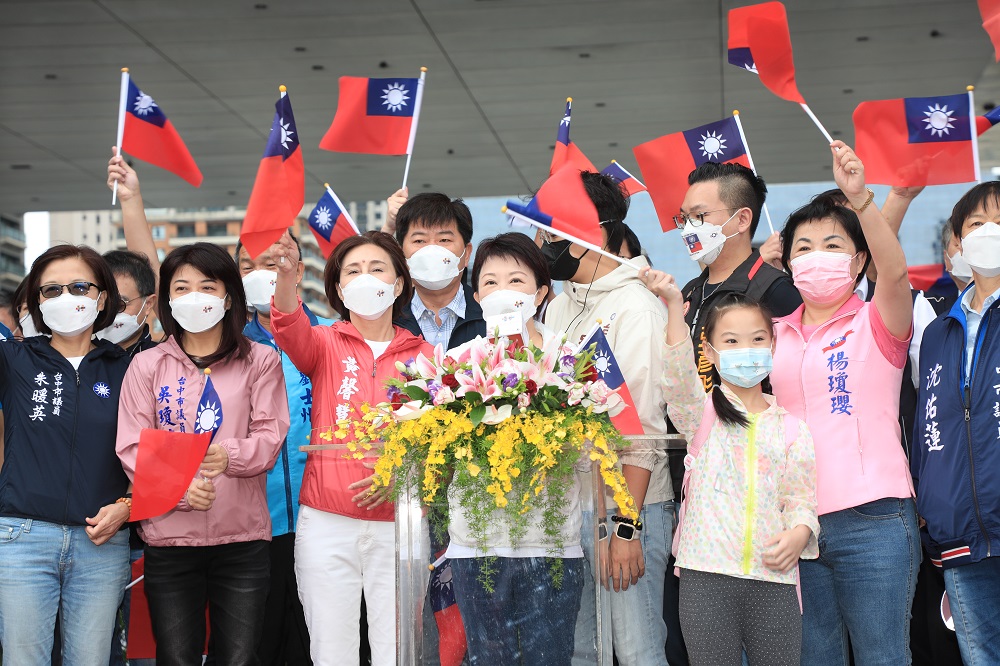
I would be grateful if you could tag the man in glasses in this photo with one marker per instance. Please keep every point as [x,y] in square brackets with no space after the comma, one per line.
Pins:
[137,286]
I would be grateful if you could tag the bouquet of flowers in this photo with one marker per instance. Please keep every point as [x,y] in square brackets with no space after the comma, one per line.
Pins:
[504,424]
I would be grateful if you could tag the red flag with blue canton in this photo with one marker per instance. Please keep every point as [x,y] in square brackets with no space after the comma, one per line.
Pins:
[152,138]
[451,632]
[563,204]
[374,116]
[666,162]
[759,42]
[279,192]
[990,11]
[608,370]
[330,223]
[566,152]
[916,141]
[165,464]
[622,175]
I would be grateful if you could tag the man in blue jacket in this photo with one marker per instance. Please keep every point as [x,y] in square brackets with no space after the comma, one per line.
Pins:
[956,452]
[286,638]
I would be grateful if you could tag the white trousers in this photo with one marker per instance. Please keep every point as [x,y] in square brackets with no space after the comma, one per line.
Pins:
[336,558]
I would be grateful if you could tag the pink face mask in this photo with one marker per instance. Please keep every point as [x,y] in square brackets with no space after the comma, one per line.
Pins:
[823,277]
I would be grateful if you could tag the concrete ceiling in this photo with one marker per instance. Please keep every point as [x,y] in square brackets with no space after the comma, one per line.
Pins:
[499,71]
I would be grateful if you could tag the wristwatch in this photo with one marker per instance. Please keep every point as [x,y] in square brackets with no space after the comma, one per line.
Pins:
[625,528]
[602,530]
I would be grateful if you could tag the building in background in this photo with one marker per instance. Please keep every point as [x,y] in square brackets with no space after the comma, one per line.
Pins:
[12,244]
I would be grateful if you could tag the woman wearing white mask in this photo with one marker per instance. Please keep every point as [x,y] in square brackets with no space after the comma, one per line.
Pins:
[838,365]
[63,493]
[345,538]
[207,377]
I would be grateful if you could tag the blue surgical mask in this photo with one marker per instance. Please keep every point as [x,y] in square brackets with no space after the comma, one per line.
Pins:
[746,366]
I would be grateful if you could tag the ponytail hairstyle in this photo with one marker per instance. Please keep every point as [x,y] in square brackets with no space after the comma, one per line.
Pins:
[725,410]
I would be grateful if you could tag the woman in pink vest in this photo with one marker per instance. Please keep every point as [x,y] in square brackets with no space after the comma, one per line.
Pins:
[838,365]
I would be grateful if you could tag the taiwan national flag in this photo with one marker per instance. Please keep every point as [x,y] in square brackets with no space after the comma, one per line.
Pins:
[165,464]
[990,11]
[279,192]
[152,138]
[209,414]
[375,116]
[608,370]
[759,42]
[566,151]
[916,141]
[666,162]
[451,632]
[563,205]
[622,175]
[331,223]
[987,121]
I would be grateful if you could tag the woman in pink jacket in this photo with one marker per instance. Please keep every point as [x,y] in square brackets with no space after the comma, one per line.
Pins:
[838,364]
[207,377]
[345,542]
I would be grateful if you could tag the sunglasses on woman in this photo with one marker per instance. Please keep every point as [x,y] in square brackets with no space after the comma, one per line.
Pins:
[78,288]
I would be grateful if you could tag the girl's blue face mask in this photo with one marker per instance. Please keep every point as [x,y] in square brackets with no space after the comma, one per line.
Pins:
[746,366]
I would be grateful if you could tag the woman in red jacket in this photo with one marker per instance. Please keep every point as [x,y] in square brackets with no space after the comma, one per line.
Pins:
[345,539]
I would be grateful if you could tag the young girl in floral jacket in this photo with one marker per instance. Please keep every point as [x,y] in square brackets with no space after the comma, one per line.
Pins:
[749,509]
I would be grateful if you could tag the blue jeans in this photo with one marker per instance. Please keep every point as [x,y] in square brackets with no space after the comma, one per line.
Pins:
[526,619]
[974,595]
[861,586]
[46,568]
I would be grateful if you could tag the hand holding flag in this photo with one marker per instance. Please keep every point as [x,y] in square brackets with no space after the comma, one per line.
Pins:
[165,464]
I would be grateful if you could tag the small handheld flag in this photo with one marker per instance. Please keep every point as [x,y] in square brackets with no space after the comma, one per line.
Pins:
[279,190]
[165,464]
[451,632]
[917,141]
[990,11]
[330,222]
[209,415]
[566,152]
[145,133]
[627,421]
[621,174]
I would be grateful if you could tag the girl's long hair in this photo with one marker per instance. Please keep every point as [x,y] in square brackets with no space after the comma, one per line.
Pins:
[724,409]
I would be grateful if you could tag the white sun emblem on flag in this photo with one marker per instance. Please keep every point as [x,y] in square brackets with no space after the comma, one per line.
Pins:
[144,104]
[712,145]
[938,119]
[102,390]
[565,121]
[324,218]
[286,134]
[751,67]
[209,416]
[395,96]
[602,362]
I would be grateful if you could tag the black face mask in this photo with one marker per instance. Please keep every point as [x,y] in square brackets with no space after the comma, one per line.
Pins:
[562,264]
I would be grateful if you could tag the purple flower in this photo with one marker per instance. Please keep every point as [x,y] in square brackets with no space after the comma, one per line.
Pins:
[393,393]
[510,381]
[568,360]
[433,388]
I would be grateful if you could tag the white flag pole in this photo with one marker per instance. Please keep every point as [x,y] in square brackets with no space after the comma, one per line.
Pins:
[743,138]
[812,117]
[122,101]
[566,236]
[974,133]
[343,208]
[416,119]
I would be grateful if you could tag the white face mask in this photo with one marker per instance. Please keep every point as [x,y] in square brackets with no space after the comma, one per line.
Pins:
[705,242]
[960,268]
[259,287]
[368,297]
[981,249]
[434,267]
[507,300]
[196,312]
[124,326]
[69,315]
[28,327]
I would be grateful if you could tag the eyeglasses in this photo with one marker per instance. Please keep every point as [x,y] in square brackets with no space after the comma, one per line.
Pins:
[80,288]
[697,219]
[126,301]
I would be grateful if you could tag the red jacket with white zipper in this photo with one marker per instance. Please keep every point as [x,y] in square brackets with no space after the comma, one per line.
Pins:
[344,375]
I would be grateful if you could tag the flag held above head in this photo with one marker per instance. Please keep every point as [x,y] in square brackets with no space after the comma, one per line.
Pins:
[330,222]
[375,116]
[563,205]
[759,42]
[567,152]
[917,141]
[148,135]
[990,11]
[279,190]
[621,174]
[165,464]
[666,162]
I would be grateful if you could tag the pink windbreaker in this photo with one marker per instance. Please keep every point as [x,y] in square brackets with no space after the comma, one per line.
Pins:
[161,390]
[344,376]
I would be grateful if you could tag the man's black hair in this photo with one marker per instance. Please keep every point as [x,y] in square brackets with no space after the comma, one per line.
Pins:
[739,187]
[135,266]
